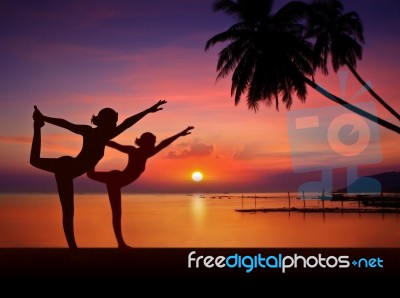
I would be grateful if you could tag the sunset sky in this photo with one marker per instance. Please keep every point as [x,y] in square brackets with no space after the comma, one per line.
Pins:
[73,58]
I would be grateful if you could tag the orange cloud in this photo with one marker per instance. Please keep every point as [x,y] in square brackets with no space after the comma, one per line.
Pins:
[195,150]
[15,140]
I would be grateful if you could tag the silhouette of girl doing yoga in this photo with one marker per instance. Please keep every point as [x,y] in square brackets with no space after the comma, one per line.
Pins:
[137,158]
[66,168]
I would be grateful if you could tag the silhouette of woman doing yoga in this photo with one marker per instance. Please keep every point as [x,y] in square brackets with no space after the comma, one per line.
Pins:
[137,157]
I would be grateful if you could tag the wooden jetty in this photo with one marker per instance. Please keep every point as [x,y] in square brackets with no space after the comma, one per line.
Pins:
[321,209]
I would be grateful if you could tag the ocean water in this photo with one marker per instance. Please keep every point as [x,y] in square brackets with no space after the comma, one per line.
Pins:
[195,220]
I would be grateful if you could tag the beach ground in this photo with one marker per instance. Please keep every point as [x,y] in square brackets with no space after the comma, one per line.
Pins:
[172,263]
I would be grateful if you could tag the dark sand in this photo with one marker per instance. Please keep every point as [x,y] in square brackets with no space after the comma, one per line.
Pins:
[172,264]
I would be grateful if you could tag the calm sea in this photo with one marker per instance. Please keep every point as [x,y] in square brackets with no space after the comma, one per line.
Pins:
[194,220]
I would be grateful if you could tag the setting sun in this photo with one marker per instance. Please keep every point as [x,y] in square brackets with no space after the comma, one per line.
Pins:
[197,176]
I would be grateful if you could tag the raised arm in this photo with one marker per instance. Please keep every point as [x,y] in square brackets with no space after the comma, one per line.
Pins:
[128,122]
[78,129]
[119,147]
[165,143]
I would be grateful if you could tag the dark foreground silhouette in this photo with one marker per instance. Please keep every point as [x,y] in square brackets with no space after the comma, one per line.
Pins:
[67,168]
[137,158]
[156,265]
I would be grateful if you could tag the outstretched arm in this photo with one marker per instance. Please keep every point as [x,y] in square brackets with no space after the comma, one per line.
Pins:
[119,147]
[128,122]
[165,143]
[79,129]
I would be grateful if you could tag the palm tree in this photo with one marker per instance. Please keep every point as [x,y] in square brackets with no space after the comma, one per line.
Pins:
[339,36]
[269,56]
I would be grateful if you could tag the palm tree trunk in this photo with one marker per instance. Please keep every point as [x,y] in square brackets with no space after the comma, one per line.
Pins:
[352,108]
[372,92]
